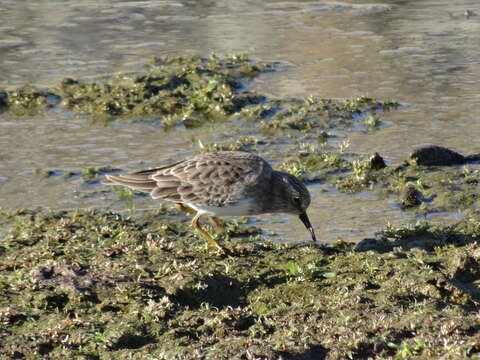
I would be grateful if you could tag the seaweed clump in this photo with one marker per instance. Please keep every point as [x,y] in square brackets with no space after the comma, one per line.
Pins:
[183,86]
[26,100]
[313,113]
[177,87]
[190,91]
[428,181]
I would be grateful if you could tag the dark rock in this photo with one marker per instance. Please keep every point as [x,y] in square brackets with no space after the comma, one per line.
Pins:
[410,197]
[3,100]
[434,155]
[377,162]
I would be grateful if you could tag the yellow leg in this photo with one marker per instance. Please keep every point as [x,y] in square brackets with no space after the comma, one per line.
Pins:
[212,242]
[185,208]
[218,224]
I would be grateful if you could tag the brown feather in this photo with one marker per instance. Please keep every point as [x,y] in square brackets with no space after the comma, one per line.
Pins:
[206,179]
[143,185]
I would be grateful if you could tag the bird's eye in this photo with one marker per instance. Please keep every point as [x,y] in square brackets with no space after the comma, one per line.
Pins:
[296,200]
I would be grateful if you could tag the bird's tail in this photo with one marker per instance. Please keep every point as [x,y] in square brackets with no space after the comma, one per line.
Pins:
[140,180]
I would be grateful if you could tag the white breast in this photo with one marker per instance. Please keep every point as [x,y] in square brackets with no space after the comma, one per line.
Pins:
[239,209]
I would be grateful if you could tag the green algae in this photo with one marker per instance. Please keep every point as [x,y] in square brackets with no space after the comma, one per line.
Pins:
[313,113]
[95,285]
[315,165]
[46,173]
[427,189]
[243,143]
[373,122]
[178,85]
[92,174]
[442,189]
[190,91]
[24,101]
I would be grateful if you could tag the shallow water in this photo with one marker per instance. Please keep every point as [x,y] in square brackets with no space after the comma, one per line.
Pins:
[422,54]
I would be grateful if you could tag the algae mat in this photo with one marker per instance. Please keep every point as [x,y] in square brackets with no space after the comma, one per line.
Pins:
[97,285]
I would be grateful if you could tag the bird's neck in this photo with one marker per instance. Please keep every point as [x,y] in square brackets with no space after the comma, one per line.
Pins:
[276,199]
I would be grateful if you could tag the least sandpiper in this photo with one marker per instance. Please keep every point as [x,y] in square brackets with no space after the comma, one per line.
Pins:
[224,183]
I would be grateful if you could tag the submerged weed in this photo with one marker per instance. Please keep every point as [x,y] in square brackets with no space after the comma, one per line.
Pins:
[373,122]
[322,114]
[243,143]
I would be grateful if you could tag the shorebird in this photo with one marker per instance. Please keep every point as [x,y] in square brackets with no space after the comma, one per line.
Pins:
[224,183]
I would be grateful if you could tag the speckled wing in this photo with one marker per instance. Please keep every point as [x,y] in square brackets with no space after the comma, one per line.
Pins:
[213,179]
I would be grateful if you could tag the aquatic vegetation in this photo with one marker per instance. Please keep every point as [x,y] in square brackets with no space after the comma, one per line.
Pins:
[451,189]
[295,168]
[23,101]
[313,113]
[243,143]
[94,284]
[190,91]
[43,172]
[314,165]
[172,86]
[127,195]
[364,174]
[254,112]
[373,122]
[92,174]
[322,137]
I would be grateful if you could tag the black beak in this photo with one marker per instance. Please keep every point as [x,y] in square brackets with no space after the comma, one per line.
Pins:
[307,224]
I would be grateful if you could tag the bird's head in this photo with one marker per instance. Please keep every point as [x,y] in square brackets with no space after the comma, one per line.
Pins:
[297,199]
